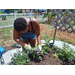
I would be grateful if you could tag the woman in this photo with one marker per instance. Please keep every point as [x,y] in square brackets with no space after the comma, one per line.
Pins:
[27,31]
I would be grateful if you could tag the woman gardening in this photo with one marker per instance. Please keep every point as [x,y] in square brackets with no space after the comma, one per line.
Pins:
[27,31]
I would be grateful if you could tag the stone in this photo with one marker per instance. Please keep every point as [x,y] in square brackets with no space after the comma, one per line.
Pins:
[59,44]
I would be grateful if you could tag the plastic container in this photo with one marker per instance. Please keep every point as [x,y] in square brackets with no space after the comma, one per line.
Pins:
[0,54]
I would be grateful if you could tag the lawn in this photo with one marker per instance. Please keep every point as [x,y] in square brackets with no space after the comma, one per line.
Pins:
[11,18]
[6,37]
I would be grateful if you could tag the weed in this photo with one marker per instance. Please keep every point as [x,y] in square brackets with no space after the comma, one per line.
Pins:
[2,43]
[52,27]
[69,41]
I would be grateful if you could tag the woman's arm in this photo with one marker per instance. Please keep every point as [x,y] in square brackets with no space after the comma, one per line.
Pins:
[37,31]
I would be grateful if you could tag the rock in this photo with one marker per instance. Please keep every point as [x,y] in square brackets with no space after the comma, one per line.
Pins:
[60,44]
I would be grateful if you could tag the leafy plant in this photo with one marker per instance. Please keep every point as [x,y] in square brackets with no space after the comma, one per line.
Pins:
[56,58]
[49,15]
[67,53]
[20,58]
[34,53]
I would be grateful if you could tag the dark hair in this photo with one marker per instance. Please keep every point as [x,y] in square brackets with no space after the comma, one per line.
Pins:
[20,24]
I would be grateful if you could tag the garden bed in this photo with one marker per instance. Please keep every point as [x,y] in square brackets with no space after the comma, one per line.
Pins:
[49,56]
[49,59]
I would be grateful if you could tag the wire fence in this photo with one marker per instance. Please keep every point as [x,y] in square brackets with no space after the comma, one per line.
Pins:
[7,20]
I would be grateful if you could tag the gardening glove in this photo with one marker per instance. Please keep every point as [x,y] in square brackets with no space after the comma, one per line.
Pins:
[27,47]
[39,48]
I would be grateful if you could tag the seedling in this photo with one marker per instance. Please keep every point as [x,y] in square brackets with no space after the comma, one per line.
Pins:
[69,41]
[56,58]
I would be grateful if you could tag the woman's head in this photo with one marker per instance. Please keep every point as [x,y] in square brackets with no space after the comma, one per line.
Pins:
[20,24]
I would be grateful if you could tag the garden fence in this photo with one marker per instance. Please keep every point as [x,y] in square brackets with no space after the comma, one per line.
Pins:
[7,20]
[64,20]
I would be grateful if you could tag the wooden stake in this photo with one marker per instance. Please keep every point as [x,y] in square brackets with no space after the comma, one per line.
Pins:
[54,36]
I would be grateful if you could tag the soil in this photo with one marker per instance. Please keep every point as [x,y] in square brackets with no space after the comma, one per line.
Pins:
[60,35]
[49,59]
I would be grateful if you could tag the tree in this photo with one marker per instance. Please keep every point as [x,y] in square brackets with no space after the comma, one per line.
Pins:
[50,15]
[20,10]
[34,13]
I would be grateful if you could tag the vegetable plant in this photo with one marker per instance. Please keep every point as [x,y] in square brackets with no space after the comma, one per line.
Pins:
[20,58]
[66,53]
[39,55]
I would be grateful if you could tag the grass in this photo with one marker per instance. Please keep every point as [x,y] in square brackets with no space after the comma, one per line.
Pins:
[11,18]
[6,23]
[6,36]
[6,32]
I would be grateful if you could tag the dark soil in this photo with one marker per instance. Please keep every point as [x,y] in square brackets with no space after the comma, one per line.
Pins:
[49,59]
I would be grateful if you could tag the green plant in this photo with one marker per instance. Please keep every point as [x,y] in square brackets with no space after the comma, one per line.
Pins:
[74,41]
[56,58]
[69,41]
[34,53]
[66,53]
[46,48]
[40,58]
[49,15]
[52,27]
[3,43]
[20,58]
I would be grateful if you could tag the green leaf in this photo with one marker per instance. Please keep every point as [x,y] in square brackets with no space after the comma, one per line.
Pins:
[45,15]
[28,60]
[45,52]
[71,10]
[40,57]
